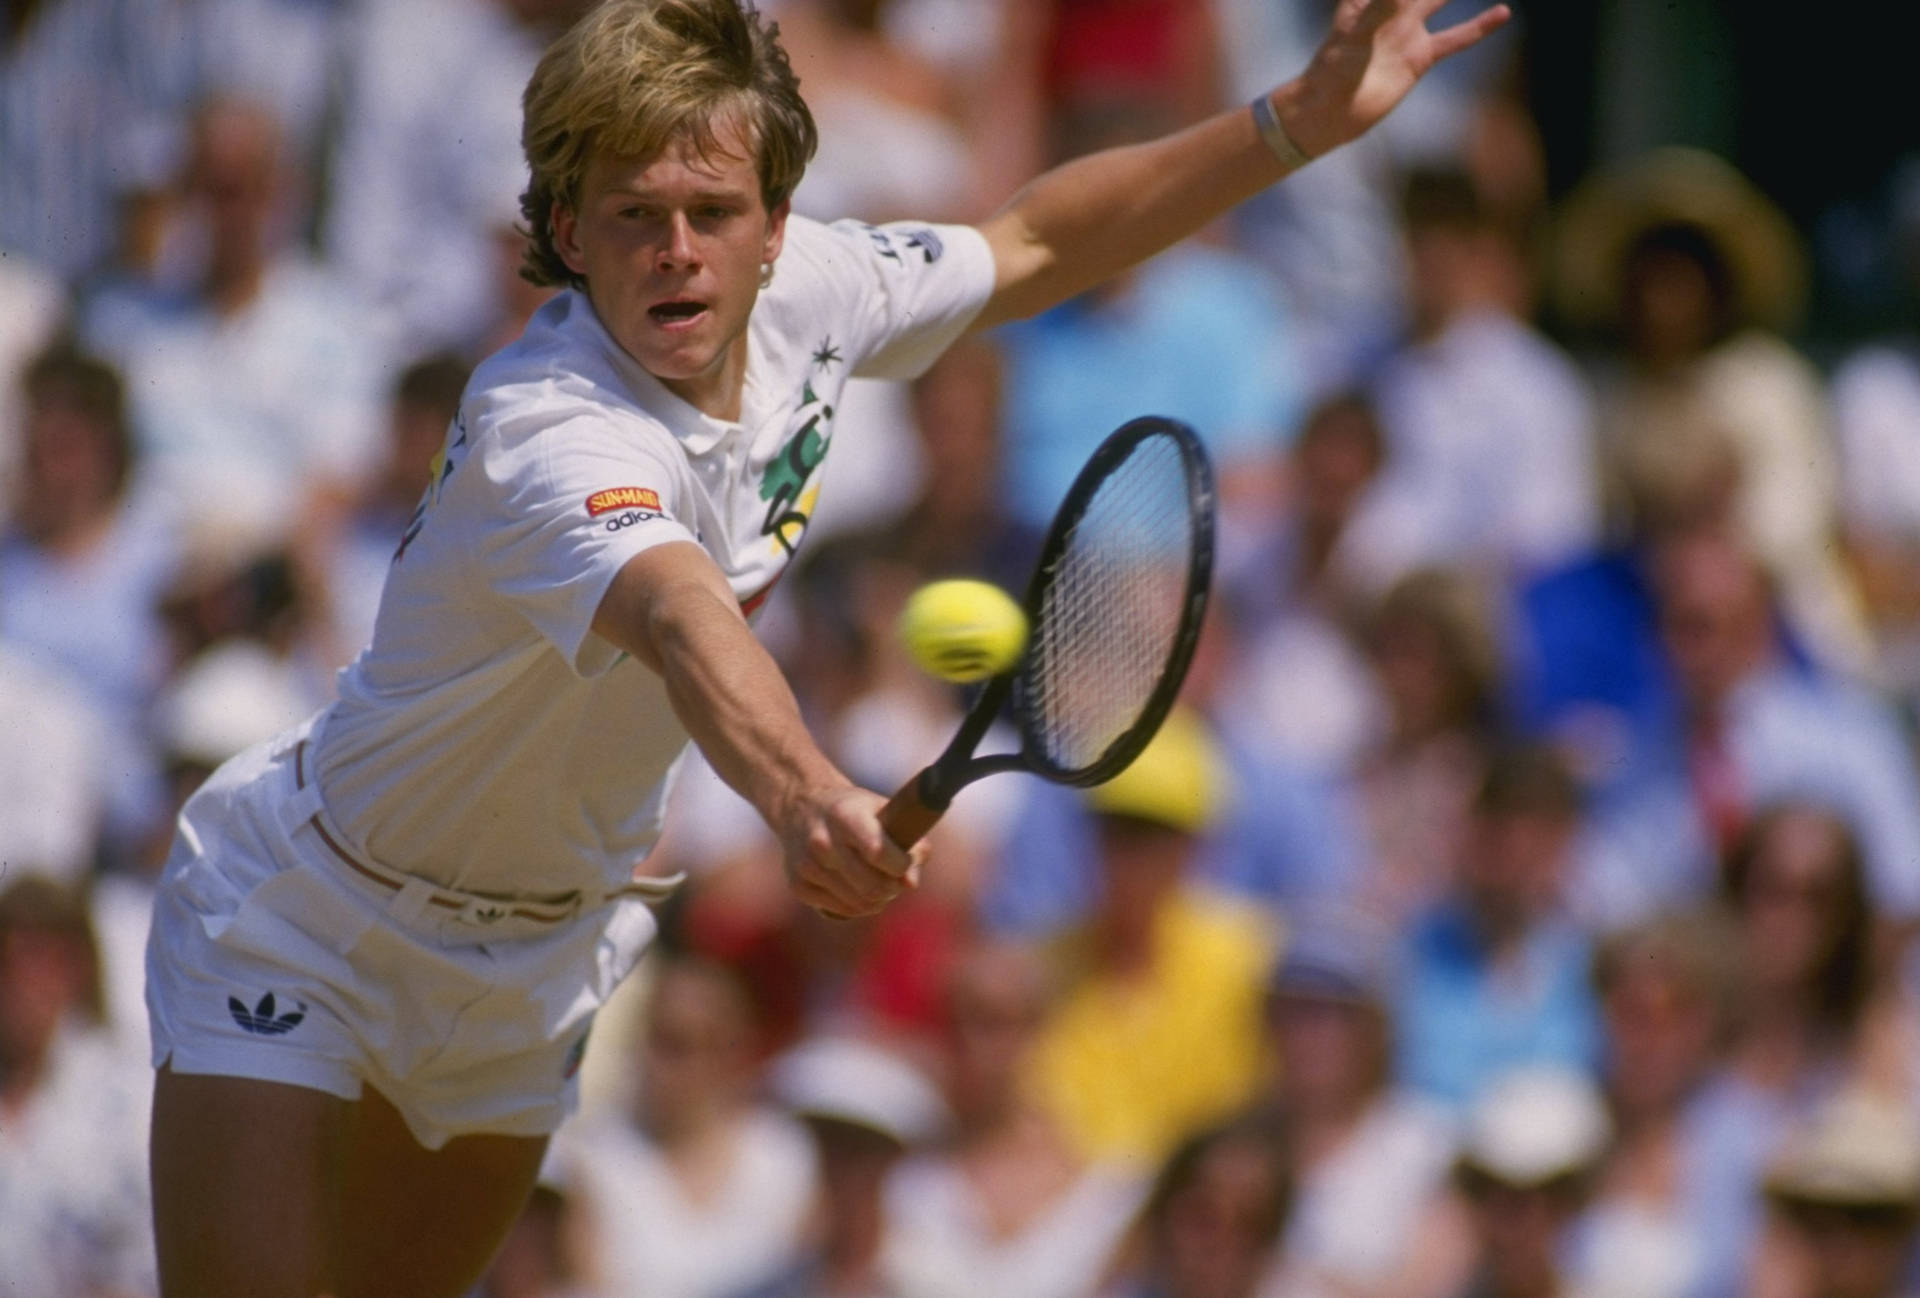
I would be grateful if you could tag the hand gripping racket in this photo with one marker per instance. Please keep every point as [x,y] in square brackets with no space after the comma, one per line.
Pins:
[1113,612]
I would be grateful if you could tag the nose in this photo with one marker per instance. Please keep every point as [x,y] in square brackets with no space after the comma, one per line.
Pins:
[678,253]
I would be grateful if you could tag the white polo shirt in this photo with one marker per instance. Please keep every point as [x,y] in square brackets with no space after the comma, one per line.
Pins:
[488,739]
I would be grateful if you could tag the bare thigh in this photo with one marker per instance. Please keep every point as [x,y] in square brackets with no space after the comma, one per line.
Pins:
[245,1177]
[263,1190]
[422,1222]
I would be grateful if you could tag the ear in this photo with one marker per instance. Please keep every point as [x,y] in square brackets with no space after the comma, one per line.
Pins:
[566,237]
[776,231]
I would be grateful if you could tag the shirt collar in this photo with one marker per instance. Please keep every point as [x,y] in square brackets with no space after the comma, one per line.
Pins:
[695,430]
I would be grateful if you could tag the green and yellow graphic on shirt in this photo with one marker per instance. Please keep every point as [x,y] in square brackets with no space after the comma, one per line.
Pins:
[786,484]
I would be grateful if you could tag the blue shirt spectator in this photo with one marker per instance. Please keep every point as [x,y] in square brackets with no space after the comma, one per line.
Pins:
[1469,1013]
[1496,973]
[1195,334]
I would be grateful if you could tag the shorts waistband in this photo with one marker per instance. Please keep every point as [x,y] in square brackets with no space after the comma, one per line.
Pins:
[477,908]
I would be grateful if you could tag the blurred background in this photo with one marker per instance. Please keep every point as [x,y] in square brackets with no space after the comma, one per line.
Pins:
[1519,904]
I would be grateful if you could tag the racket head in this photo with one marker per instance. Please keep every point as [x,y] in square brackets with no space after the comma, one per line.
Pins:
[1116,603]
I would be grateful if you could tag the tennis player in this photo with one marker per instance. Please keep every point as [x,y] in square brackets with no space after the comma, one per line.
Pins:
[381,938]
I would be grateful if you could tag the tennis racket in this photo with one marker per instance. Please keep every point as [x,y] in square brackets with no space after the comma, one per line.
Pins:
[1113,612]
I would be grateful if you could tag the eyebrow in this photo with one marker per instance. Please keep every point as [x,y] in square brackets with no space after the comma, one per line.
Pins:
[699,195]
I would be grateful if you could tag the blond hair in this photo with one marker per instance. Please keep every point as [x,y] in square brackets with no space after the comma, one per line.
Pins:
[633,76]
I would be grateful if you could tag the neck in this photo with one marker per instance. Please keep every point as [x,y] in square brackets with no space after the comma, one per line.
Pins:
[692,1127]
[1126,942]
[67,532]
[718,393]
[21,1075]
[231,286]
[1323,1127]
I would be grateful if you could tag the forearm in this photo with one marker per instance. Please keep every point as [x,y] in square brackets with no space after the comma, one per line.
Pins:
[1092,218]
[736,705]
[1089,219]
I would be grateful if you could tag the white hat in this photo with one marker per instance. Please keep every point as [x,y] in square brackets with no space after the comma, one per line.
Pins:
[849,1080]
[1535,1124]
[228,699]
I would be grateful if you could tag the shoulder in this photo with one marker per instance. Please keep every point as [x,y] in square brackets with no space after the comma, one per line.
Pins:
[558,375]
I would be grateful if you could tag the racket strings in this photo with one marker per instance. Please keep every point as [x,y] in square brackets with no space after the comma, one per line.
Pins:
[1114,608]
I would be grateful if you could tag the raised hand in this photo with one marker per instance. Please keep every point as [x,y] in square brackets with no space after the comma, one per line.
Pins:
[1375,53]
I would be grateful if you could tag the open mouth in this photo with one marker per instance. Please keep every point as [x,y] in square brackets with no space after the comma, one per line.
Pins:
[681,311]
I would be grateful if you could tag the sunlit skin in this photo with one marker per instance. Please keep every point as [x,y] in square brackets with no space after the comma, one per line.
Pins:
[673,250]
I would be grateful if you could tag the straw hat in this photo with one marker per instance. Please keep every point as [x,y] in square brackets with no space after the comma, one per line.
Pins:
[1607,213]
[1858,1150]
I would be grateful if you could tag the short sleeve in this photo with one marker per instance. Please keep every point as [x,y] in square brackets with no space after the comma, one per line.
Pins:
[568,506]
[920,287]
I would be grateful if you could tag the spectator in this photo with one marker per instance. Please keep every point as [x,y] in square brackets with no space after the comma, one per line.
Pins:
[253,390]
[83,567]
[1876,398]
[892,138]
[1300,685]
[1163,53]
[32,306]
[429,139]
[349,556]
[1497,972]
[1589,668]
[1846,1190]
[1798,890]
[1213,1220]
[85,564]
[1366,1157]
[1531,1147]
[1432,652]
[1692,270]
[74,1211]
[1675,1210]
[867,1108]
[694,1190]
[1748,728]
[1158,1029]
[54,768]
[1491,426]
[82,82]
[1007,1208]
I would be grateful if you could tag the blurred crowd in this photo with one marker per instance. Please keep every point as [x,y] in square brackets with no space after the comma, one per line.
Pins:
[1519,904]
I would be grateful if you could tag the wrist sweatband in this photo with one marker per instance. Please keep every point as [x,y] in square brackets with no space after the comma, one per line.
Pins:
[1268,123]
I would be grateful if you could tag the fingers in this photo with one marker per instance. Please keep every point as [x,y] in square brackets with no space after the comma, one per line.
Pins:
[849,866]
[1451,40]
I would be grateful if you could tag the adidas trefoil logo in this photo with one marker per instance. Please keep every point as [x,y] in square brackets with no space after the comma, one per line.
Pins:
[261,1018]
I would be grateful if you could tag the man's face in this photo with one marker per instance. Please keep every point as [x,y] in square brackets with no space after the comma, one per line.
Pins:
[673,249]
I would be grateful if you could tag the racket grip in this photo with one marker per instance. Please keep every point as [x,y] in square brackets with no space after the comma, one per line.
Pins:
[907,818]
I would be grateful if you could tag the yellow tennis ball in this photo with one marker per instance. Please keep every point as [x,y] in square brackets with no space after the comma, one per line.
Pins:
[963,630]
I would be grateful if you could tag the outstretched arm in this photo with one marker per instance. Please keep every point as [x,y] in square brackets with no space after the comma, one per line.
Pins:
[1092,218]
[670,607]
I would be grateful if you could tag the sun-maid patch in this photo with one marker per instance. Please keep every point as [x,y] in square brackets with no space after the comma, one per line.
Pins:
[602,502]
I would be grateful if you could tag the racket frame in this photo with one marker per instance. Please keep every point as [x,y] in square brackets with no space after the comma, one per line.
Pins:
[957,766]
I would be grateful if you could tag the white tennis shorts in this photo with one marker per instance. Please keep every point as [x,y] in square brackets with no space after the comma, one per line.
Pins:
[268,959]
